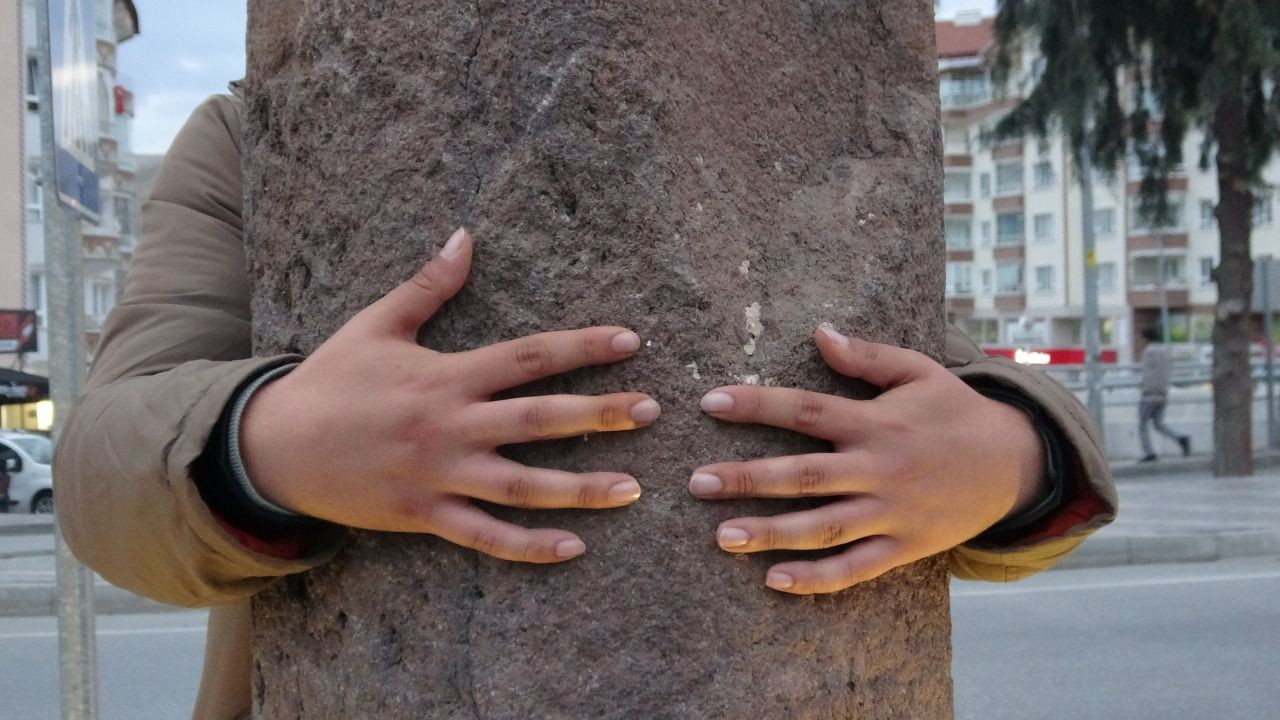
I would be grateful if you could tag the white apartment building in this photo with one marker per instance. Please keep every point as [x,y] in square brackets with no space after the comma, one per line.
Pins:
[108,245]
[1014,236]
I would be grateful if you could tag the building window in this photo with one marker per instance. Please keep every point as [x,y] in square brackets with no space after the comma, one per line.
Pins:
[100,300]
[986,281]
[1009,178]
[984,185]
[1143,223]
[1106,277]
[1145,271]
[1044,278]
[35,199]
[1262,210]
[959,233]
[1009,278]
[986,233]
[1042,175]
[39,297]
[1010,229]
[1206,271]
[964,90]
[1104,223]
[1207,218]
[124,214]
[1043,223]
[959,279]
[957,186]
[33,78]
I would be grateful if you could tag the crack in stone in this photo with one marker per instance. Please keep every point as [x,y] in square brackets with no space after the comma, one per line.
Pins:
[482,22]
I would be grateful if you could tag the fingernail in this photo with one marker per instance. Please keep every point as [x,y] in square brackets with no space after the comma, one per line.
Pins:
[624,492]
[705,484]
[646,411]
[570,548]
[779,581]
[716,402]
[454,246]
[732,537]
[625,342]
[832,334]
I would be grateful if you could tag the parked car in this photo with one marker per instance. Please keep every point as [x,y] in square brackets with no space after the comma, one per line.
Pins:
[27,460]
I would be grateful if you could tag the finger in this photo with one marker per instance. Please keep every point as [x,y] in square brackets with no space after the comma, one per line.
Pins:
[503,422]
[517,362]
[812,475]
[822,416]
[468,526]
[827,526]
[865,560]
[413,302]
[884,366]
[506,482]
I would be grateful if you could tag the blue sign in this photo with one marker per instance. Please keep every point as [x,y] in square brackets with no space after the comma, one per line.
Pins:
[75,113]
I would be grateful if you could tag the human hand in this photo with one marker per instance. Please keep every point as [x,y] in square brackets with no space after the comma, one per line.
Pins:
[923,467]
[410,440]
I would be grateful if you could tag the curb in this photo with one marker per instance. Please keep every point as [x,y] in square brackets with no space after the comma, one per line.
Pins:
[1266,460]
[1109,551]
[29,600]
[26,525]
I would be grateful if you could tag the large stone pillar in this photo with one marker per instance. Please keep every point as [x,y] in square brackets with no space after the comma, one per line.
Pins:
[675,167]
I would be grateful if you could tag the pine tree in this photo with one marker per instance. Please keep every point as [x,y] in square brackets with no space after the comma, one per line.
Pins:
[1135,75]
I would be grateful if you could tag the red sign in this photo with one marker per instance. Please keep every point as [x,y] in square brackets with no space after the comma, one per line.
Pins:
[1050,356]
[17,331]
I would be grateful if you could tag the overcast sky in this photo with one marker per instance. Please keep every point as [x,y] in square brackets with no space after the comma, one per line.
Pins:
[191,49]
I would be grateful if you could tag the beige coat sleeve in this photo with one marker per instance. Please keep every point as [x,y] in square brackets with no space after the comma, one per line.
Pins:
[172,353]
[1091,490]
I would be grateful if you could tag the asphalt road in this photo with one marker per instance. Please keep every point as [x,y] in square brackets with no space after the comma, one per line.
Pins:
[1162,642]
[1169,641]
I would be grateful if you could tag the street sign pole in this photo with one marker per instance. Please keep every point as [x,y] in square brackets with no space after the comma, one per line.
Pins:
[1269,345]
[77,642]
[1092,339]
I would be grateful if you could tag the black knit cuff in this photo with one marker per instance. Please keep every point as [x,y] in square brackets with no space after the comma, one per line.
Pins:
[1008,531]
[223,485]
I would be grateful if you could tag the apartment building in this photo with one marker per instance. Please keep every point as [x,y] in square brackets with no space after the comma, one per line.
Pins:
[107,244]
[1014,222]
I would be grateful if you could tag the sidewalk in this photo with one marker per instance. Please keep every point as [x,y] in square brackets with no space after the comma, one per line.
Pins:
[1170,512]
[1177,511]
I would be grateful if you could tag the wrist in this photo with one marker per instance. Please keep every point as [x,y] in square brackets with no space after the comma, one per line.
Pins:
[253,449]
[1040,466]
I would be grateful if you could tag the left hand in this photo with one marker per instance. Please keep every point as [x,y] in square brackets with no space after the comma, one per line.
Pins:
[923,467]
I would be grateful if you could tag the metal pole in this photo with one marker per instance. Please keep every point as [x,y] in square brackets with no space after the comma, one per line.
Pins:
[1164,290]
[1267,321]
[1092,333]
[77,642]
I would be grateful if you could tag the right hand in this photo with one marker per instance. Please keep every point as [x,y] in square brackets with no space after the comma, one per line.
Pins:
[374,431]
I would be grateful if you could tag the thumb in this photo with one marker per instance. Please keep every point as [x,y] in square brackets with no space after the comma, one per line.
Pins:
[884,366]
[415,300]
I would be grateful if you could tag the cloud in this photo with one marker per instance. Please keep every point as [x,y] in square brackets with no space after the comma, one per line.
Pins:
[190,64]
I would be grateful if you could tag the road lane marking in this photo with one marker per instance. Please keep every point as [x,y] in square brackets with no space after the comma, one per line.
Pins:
[1117,584]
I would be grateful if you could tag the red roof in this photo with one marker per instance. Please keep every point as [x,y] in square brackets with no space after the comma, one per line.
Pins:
[964,39]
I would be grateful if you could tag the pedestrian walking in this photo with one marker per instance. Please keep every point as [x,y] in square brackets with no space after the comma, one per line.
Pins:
[1156,370]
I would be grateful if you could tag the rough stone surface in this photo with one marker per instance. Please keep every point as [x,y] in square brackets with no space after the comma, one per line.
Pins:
[668,166]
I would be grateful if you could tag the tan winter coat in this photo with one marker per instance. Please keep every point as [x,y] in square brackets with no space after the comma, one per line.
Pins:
[176,347]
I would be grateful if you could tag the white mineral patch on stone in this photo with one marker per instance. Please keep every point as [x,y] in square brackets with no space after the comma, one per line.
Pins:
[699,206]
[744,268]
[752,379]
[777,166]
[754,327]
[648,343]
[694,367]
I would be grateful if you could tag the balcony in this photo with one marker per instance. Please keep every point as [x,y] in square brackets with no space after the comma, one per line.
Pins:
[1007,301]
[1145,297]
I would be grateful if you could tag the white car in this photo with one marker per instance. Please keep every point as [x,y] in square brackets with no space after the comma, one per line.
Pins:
[27,458]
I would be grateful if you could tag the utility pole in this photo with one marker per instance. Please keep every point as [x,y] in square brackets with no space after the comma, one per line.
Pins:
[77,642]
[719,177]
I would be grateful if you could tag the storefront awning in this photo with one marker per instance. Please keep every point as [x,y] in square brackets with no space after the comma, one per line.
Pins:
[17,387]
